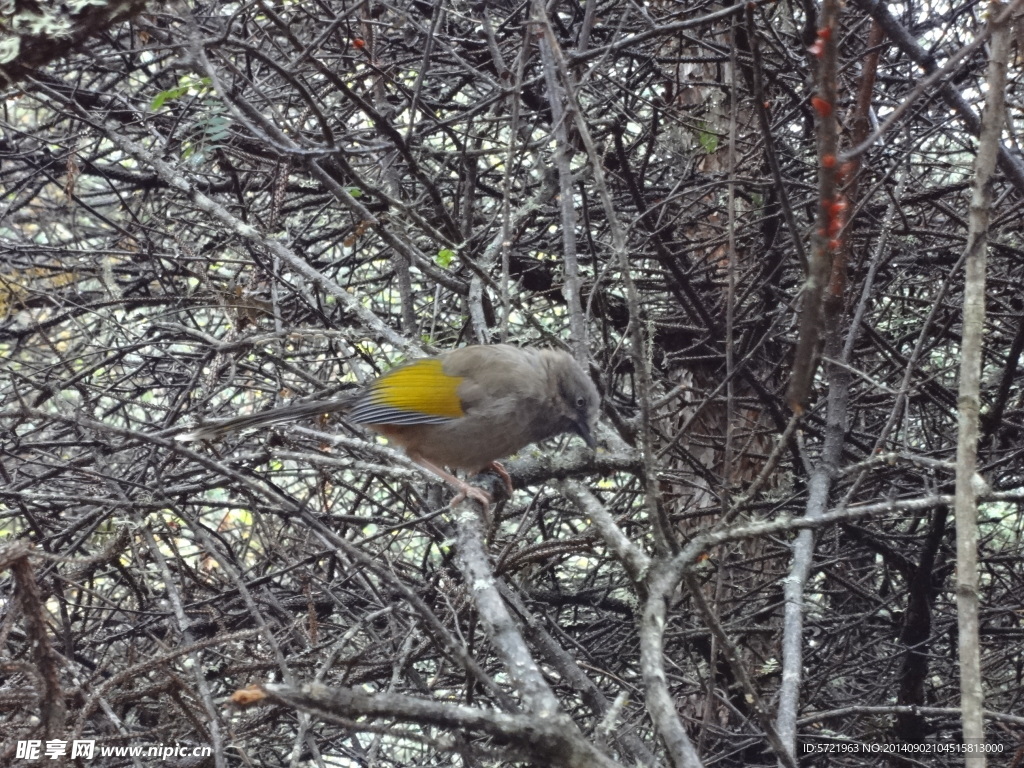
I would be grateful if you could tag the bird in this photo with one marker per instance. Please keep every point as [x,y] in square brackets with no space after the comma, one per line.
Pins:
[465,408]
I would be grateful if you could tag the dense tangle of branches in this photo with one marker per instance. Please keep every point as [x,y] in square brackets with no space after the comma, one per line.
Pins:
[218,207]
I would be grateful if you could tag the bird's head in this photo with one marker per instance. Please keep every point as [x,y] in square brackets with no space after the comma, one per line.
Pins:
[577,404]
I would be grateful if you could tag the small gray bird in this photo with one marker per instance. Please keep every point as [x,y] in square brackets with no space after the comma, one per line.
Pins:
[463,409]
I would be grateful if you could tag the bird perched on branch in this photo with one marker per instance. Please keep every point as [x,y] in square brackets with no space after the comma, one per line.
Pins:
[463,409]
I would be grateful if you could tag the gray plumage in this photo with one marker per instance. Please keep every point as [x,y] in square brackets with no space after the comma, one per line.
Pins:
[509,397]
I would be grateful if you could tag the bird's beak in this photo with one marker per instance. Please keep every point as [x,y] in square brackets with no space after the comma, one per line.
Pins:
[583,430]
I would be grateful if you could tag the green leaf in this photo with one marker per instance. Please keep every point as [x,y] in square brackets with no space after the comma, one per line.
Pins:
[217,129]
[168,95]
[708,141]
[188,84]
[445,256]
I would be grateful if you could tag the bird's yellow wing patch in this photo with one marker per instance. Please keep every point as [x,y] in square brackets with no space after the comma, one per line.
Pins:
[419,392]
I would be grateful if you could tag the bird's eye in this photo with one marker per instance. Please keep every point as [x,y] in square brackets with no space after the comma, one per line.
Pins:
[580,402]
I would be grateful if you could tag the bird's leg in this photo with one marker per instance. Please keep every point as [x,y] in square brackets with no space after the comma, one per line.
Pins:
[465,489]
[504,475]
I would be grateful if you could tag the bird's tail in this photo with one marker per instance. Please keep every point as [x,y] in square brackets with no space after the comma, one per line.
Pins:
[213,430]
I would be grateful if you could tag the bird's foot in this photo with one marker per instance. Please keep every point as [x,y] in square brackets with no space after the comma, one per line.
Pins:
[504,475]
[465,490]
[472,492]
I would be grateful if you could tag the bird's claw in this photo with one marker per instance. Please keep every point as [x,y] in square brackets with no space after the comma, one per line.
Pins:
[504,475]
[472,492]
